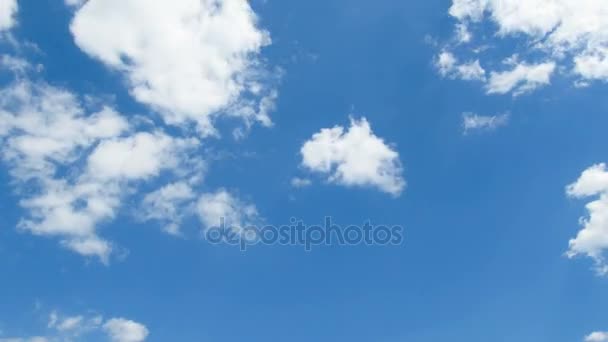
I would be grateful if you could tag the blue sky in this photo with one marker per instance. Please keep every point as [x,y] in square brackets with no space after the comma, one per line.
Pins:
[493,246]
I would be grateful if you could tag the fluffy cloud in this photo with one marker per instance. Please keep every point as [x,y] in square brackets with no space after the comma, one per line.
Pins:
[8,11]
[354,157]
[74,163]
[123,330]
[140,156]
[81,327]
[191,60]
[473,122]
[558,33]
[44,126]
[592,240]
[597,336]
[78,164]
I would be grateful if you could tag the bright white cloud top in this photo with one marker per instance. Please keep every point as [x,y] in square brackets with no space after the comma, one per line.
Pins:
[592,240]
[561,34]
[190,60]
[354,156]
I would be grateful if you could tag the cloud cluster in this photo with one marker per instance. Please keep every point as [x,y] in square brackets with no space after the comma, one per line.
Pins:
[74,165]
[559,34]
[82,327]
[354,156]
[191,60]
[592,240]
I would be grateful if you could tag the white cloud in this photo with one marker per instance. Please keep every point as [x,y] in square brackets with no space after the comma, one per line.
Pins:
[565,32]
[15,64]
[77,165]
[593,65]
[169,205]
[523,78]
[472,9]
[597,336]
[81,327]
[354,157]
[448,66]
[592,240]
[75,3]
[593,181]
[44,125]
[8,12]
[191,60]
[122,330]
[298,182]
[463,35]
[140,156]
[213,208]
[475,122]
[74,326]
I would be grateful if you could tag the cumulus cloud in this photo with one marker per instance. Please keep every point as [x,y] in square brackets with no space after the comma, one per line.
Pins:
[558,34]
[82,327]
[474,122]
[592,240]
[139,156]
[78,164]
[8,12]
[191,60]
[598,336]
[75,162]
[354,156]
[123,330]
